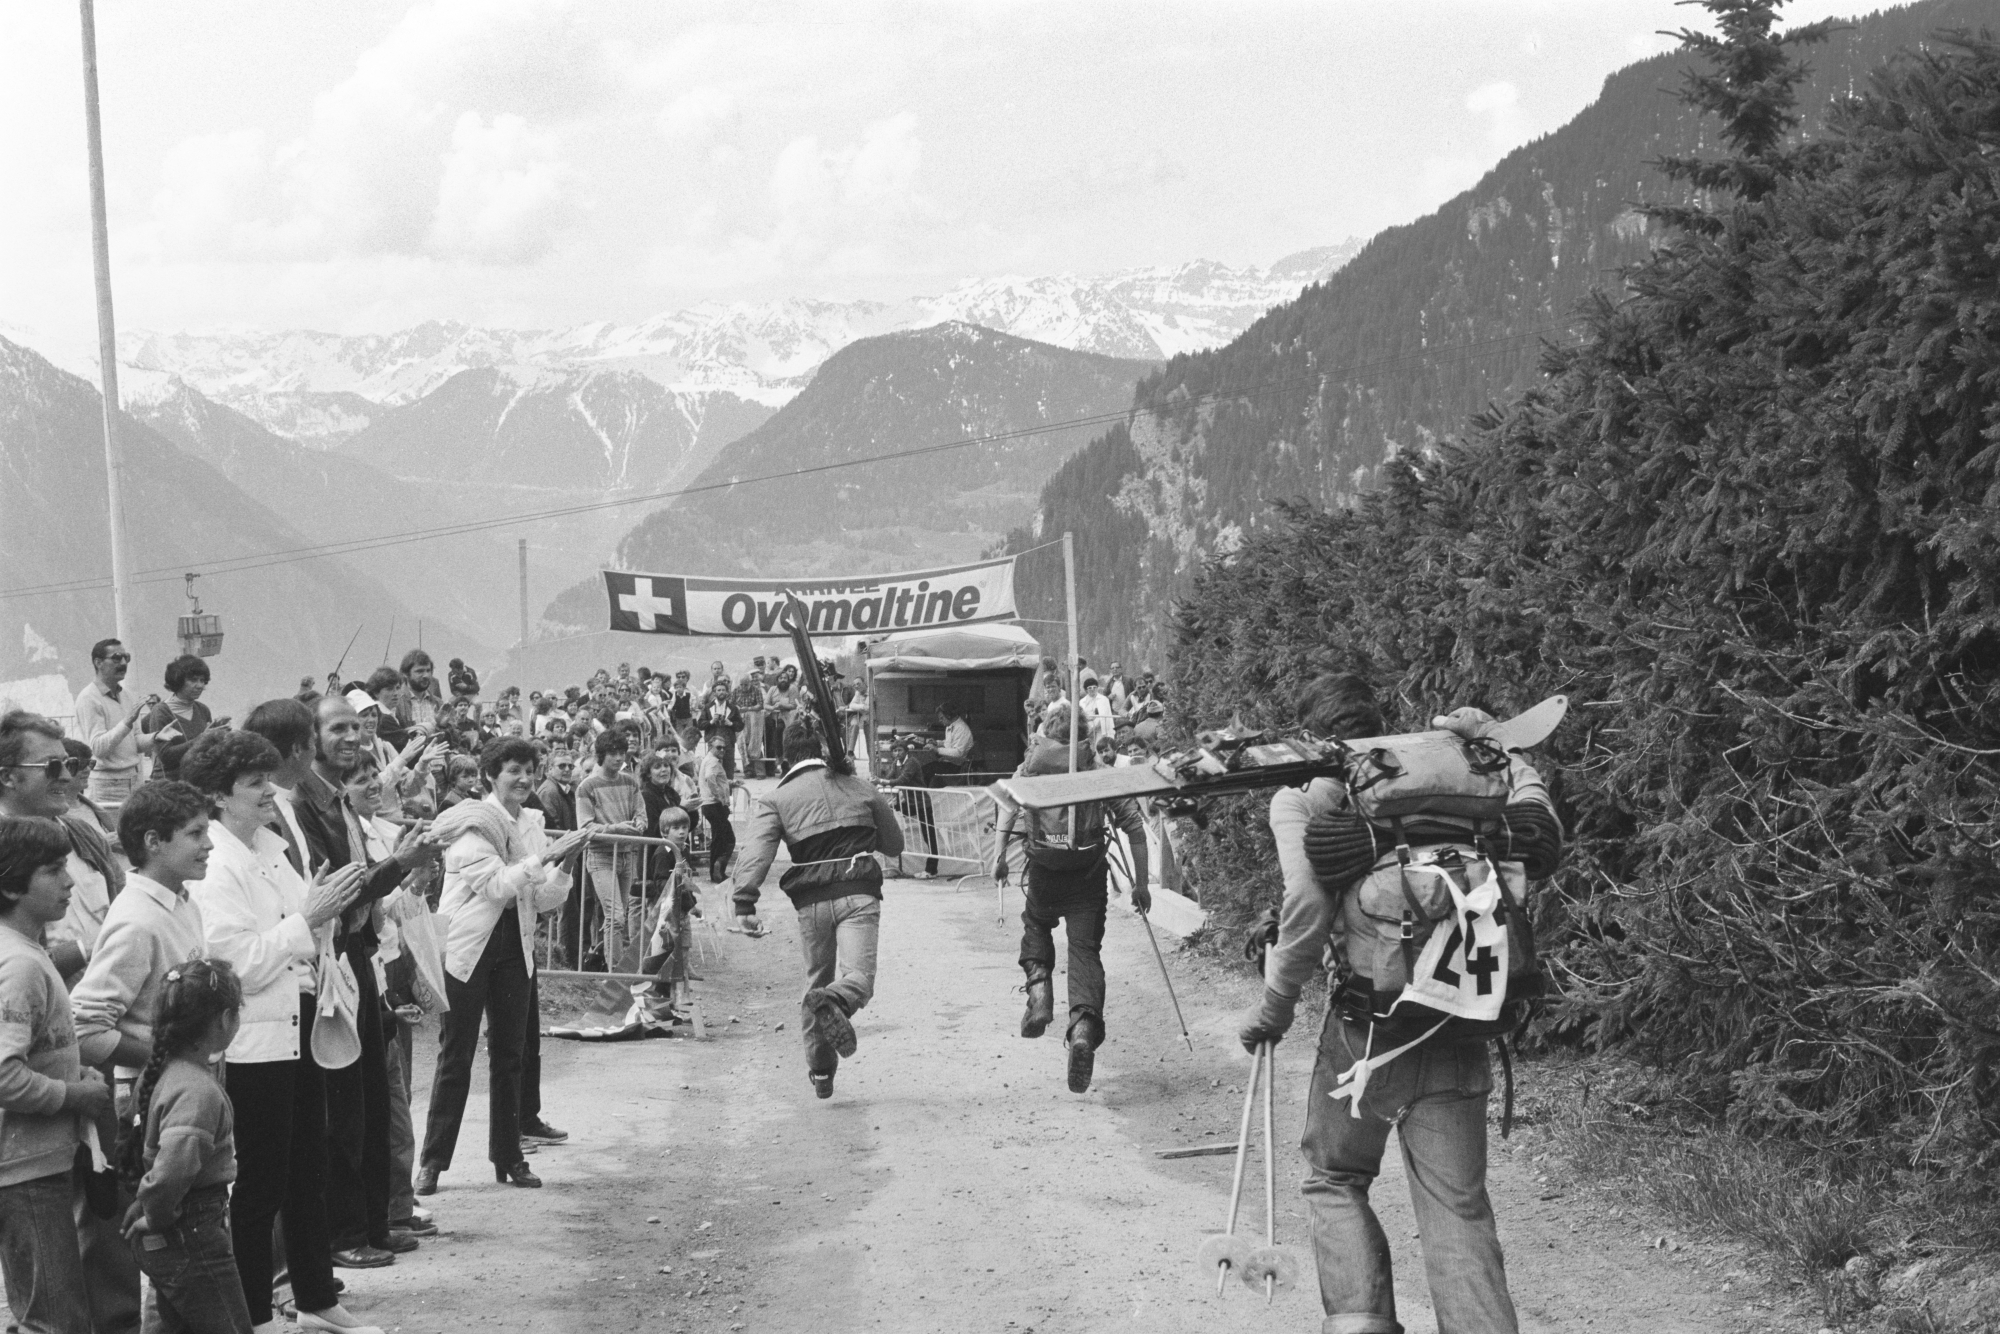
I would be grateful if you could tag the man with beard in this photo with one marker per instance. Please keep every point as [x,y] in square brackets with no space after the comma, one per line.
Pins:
[357,1097]
[422,699]
[1068,855]
[109,720]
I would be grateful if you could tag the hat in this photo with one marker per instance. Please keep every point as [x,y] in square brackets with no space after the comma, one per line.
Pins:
[361,701]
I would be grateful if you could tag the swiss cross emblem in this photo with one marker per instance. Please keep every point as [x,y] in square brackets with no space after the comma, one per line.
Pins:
[649,604]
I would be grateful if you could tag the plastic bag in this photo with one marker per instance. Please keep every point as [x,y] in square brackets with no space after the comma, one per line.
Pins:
[423,943]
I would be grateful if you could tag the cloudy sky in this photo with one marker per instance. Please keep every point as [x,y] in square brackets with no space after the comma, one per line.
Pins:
[367,165]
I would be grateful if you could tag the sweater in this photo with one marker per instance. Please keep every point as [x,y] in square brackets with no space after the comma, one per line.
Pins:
[149,930]
[38,1056]
[190,1139]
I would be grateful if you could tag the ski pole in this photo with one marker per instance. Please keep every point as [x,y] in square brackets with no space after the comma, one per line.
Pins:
[1168,979]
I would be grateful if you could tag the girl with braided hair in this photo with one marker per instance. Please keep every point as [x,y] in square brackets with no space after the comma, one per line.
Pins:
[179,1151]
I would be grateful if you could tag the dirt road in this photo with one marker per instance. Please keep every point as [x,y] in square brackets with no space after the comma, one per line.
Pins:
[952,1183]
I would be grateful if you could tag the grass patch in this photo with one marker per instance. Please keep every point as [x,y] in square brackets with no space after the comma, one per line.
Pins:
[1806,1211]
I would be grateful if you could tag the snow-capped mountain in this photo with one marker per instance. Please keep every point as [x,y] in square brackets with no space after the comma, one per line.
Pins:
[324,388]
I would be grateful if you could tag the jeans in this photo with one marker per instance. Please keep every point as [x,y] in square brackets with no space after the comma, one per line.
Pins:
[721,839]
[611,878]
[357,1125]
[281,1165]
[499,987]
[1435,1097]
[399,1048]
[39,1256]
[1079,900]
[194,1288]
[838,938]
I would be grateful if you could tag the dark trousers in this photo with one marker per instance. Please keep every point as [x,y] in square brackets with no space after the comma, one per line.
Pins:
[531,1055]
[111,1274]
[917,805]
[721,839]
[578,921]
[499,987]
[1079,900]
[357,1128]
[195,1288]
[280,1111]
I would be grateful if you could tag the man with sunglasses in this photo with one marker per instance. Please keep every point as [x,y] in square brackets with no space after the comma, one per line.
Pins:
[38,779]
[109,720]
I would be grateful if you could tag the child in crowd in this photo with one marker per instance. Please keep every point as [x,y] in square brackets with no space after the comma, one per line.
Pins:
[45,1093]
[666,952]
[180,1149]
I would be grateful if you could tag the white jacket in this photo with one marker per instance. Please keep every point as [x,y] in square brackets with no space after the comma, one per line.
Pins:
[480,884]
[253,907]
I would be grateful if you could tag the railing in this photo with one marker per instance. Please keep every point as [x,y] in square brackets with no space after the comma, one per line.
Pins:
[632,855]
[947,825]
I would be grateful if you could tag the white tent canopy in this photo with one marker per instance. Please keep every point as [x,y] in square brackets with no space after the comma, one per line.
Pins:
[964,648]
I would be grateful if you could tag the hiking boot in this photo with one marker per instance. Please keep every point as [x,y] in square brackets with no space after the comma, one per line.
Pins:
[825,1015]
[822,1082]
[1041,1011]
[539,1131]
[1086,1032]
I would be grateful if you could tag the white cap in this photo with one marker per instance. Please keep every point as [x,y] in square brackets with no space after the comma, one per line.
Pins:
[361,701]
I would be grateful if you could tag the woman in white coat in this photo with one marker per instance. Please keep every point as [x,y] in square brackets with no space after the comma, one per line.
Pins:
[261,914]
[500,872]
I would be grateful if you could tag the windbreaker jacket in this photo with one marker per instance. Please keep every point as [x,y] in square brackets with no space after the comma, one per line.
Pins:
[253,911]
[480,883]
[829,823]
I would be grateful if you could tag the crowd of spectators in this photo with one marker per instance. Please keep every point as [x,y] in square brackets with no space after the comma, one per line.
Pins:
[176,887]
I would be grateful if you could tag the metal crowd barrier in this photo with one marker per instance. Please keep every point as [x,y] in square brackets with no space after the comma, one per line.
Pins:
[646,893]
[952,826]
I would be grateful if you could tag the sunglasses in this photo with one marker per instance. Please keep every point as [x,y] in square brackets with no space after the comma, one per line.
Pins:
[53,769]
[116,657]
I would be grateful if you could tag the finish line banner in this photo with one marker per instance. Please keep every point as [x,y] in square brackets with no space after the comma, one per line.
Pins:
[677,604]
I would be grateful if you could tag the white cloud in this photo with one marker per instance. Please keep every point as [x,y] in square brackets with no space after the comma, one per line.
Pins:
[700,115]
[397,158]
[500,199]
[1500,104]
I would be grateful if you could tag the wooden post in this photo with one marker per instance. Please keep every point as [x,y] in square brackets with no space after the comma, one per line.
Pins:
[1075,658]
[107,333]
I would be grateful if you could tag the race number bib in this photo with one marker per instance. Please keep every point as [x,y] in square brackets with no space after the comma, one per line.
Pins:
[1462,969]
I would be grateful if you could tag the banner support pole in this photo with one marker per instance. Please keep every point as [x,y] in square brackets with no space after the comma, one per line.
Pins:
[1075,663]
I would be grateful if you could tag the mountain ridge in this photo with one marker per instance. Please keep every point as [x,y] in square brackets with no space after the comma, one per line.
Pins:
[1428,324]
[953,382]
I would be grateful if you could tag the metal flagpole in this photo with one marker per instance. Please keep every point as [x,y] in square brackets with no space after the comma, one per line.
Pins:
[107,332]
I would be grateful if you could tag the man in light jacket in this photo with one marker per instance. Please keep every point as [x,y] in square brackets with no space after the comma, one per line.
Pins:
[833,824]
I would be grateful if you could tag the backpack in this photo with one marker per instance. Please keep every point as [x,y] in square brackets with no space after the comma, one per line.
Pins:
[1438,942]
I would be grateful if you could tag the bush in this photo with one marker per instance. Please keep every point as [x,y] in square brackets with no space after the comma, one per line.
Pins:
[1751,525]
